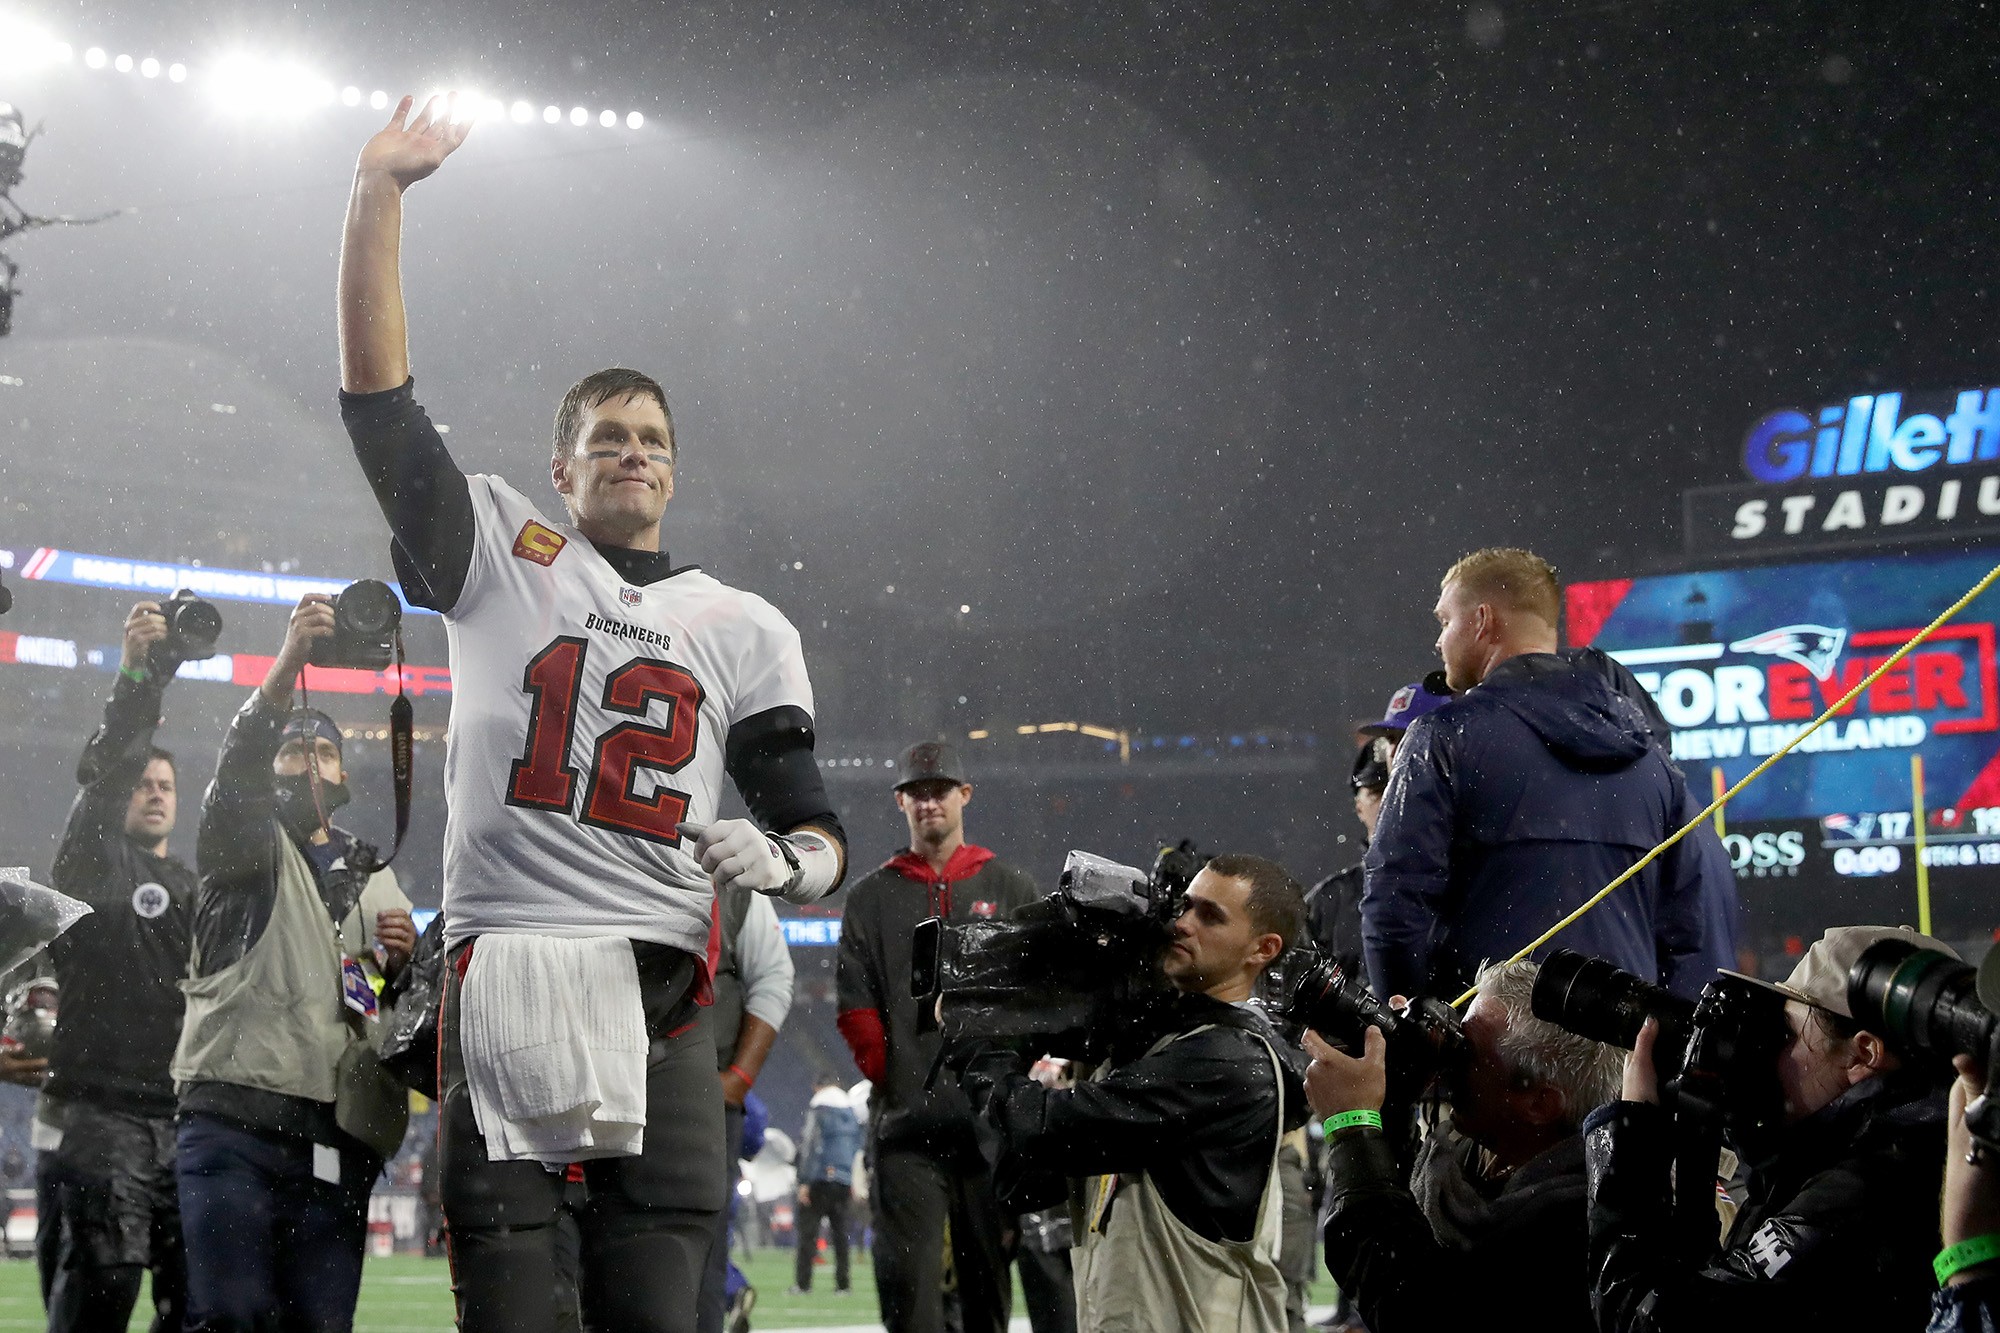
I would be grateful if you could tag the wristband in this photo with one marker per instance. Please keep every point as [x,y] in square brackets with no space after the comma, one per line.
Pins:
[1373,1120]
[748,1081]
[1970,1253]
[139,675]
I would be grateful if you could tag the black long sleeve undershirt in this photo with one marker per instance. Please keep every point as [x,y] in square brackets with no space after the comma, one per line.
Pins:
[429,507]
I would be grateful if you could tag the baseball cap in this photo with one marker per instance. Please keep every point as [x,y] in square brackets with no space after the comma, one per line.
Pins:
[307,723]
[1406,706]
[929,761]
[1820,979]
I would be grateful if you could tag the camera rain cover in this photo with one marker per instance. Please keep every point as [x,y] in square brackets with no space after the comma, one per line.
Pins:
[1104,885]
[31,915]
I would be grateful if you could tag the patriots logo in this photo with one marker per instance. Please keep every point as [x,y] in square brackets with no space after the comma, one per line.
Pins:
[1814,647]
[1858,827]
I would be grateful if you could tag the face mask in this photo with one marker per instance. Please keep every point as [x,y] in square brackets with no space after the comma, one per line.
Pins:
[296,809]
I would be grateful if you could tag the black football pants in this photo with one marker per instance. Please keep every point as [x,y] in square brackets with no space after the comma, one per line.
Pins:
[640,1227]
[918,1199]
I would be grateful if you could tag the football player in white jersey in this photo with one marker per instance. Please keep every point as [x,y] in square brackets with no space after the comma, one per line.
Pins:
[601,694]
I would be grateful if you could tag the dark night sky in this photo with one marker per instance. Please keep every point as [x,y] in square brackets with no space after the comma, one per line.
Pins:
[1186,347]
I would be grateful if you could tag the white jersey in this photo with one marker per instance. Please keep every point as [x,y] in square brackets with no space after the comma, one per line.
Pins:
[588,717]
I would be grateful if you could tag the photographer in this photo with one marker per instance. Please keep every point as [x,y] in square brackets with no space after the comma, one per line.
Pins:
[109,1102]
[1491,1222]
[1968,1267]
[1181,1221]
[1838,1225]
[286,1115]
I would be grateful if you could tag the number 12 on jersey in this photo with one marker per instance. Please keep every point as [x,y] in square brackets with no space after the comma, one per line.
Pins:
[543,778]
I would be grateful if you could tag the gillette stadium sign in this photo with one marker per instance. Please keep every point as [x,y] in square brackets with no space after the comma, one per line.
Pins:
[1740,662]
[1873,467]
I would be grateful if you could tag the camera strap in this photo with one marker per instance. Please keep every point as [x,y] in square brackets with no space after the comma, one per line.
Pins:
[402,753]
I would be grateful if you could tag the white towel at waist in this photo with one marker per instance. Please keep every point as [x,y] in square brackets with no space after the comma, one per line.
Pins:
[554,1038]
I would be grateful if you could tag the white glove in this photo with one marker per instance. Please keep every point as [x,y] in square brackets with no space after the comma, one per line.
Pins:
[735,852]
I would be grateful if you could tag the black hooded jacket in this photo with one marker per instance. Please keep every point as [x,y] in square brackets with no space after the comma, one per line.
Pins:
[1509,1249]
[120,967]
[1199,1116]
[1510,807]
[1838,1230]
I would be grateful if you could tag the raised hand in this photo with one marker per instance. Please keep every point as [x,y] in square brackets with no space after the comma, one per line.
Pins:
[143,628]
[410,148]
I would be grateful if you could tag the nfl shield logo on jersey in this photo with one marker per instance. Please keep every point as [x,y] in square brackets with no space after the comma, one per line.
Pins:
[630,596]
[983,908]
[539,542]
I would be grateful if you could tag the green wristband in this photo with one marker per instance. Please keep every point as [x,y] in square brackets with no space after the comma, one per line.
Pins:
[1955,1259]
[138,674]
[1373,1119]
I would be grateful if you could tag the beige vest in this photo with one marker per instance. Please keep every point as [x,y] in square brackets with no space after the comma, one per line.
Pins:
[274,1019]
[1142,1271]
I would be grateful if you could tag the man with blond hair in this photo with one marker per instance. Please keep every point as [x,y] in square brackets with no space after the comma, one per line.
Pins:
[1508,808]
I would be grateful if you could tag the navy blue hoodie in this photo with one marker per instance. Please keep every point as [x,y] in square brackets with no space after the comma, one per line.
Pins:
[1511,806]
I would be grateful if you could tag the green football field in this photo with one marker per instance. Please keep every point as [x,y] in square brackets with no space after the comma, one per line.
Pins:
[406,1294]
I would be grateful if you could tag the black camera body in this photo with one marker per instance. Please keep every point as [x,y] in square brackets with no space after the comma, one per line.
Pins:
[193,626]
[1721,1049]
[1716,1059]
[366,619]
[1425,1038]
[1078,970]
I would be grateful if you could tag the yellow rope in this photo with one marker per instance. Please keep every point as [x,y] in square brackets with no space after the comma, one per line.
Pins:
[1559,927]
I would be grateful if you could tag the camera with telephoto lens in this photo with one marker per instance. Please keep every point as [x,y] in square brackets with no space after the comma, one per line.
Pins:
[1716,1059]
[1929,1006]
[1078,970]
[1425,1038]
[366,616]
[1718,1054]
[193,626]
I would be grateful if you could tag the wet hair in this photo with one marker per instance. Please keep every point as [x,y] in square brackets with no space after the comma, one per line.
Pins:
[155,752]
[602,387]
[1277,903]
[1511,578]
[1833,1026]
[1587,1073]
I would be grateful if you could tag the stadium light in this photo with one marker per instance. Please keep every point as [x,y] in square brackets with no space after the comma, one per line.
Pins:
[250,85]
[23,47]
